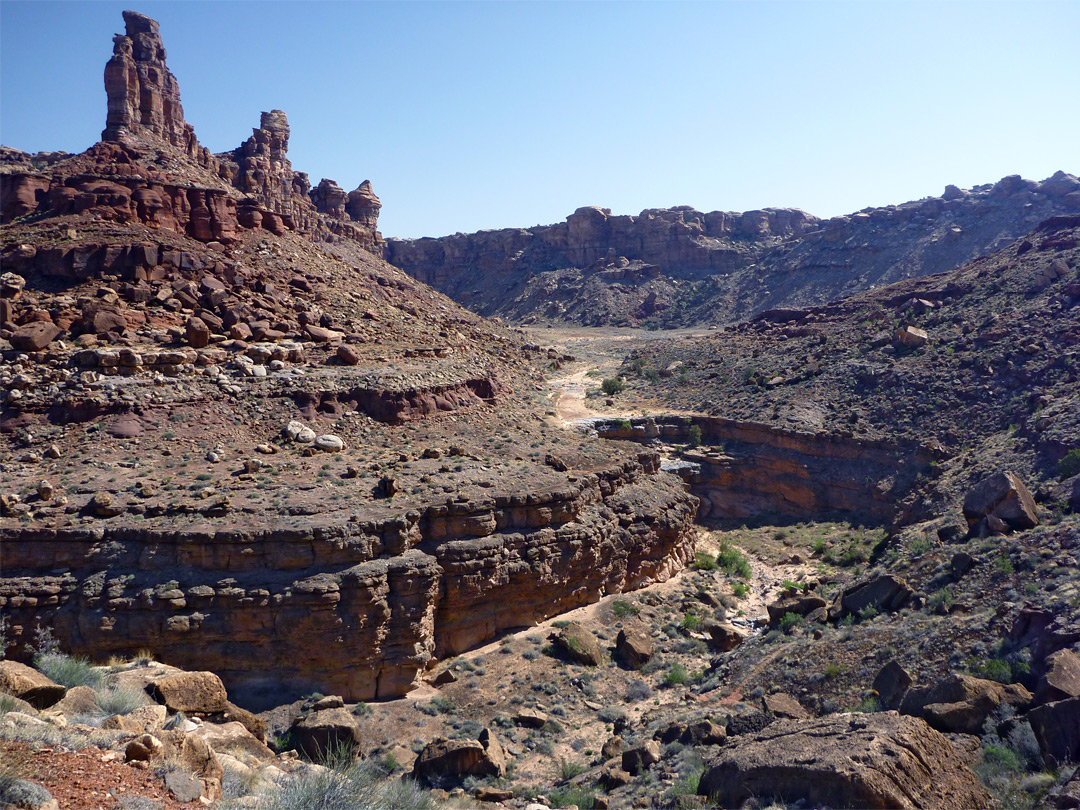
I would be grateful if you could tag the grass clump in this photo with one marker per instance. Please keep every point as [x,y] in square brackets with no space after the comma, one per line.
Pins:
[68,670]
[567,795]
[705,562]
[355,785]
[622,609]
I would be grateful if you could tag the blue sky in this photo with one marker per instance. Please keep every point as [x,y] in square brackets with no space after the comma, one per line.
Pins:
[485,115]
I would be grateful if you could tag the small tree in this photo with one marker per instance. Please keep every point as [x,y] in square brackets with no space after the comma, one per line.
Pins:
[613,385]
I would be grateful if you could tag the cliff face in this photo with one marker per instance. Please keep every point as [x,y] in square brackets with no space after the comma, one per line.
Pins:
[680,267]
[352,606]
[676,240]
[208,197]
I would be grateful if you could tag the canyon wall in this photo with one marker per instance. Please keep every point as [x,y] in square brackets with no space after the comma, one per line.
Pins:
[348,605]
[747,469]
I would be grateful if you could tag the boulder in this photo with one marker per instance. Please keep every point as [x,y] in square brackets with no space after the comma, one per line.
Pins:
[444,760]
[612,748]
[26,683]
[784,706]
[882,593]
[846,760]
[891,684]
[724,636]
[530,718]
[634,648]
[1004,497]
[233,737]
[77,700]
[190,693]
[197,332]
[1057,729]
[800,605]
[148,719]
[641,757]
[33,337]
[578,644]
[911,336]
[1061,679]
[323,732]
[144,748]
[330,443]
[961,703]
[699,732]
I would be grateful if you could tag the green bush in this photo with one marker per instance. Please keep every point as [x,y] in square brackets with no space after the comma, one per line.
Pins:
[740,590]
[612,386]
[789,621]
[1070,465]
[691,621]
[621,608]
[568,770]
[676,675]
[733,562]
[694,436]
[705,562]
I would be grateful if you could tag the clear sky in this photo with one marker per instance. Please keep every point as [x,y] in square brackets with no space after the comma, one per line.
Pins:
[485,115]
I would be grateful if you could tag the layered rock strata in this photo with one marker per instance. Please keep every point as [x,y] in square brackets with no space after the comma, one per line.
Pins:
[744,469]
[211,199]
[348,605]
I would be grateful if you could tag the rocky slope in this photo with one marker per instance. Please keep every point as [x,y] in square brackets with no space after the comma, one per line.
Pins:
[680,267]
[225,443]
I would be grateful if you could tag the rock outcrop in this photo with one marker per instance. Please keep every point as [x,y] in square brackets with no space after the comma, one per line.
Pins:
[143,95]
[745,468]
[846,760]
[208,197]
[275,611]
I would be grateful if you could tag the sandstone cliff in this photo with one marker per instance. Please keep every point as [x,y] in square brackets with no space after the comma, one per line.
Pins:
[680,267]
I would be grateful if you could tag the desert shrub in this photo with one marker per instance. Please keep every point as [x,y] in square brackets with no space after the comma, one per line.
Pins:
[611,714]
[740,590]
[67,670]
[691,621]
[122,699]
[676,675]
[638,690]
[1070,465]
[359,785]
[568,769]
[705,562]
[694,436]
[733,562]
[789,621]
[361,709]
[621,608]
[613,385]
[567,795]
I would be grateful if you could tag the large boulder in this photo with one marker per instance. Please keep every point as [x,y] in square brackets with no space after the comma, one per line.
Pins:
[634,648]
[846,760]
[724,636]
[26,683]
[891,684]
[961,703]
[323,732]
[233,736]
[33,337]
[1002,496]
[578,644]
[1057,728]
[641,757]
[1061,679]
[881,593]
[190,693]
[444,760]
[800,605]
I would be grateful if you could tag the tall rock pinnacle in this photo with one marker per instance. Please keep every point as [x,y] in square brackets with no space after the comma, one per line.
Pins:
[144,96]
